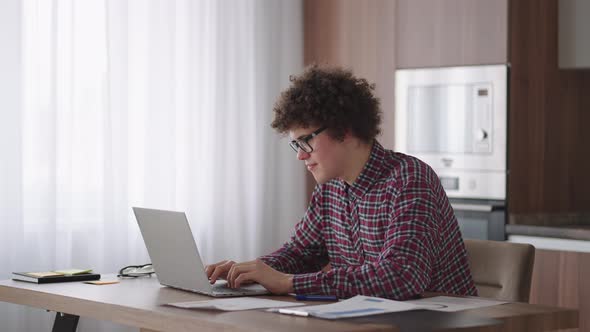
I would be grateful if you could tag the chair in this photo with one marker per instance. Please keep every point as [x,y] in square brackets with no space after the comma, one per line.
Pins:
[501,270]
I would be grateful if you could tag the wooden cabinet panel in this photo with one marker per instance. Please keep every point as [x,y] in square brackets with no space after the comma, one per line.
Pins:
[451,32]
[549,113]
[560,279]
[359,35]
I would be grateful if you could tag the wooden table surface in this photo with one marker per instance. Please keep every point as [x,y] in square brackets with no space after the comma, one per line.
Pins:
[139,303]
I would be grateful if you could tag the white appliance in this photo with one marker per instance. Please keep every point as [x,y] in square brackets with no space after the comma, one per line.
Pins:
[455,119]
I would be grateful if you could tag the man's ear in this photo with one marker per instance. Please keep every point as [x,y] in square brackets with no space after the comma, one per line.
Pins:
[350,138]
[347,135]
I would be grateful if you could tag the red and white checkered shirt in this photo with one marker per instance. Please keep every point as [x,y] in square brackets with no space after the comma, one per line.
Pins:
[391,234]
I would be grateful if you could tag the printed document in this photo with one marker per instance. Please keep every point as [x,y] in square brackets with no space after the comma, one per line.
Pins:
[234,304]
[354,307]
[451,304]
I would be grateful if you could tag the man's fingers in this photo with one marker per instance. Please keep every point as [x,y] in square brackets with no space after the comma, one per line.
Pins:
[238,269]
[220,270]
[211,267]
[216,273]
[231,274]
[244,278]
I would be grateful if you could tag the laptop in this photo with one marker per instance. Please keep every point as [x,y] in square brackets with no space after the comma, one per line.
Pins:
[175,257]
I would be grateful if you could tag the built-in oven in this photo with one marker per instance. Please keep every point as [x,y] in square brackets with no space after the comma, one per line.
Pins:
[455,119]
[481,219]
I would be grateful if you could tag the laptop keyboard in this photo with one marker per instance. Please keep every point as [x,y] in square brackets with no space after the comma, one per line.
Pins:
[226,290]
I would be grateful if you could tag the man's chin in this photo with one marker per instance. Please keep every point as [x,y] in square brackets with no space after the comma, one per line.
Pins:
[320,179]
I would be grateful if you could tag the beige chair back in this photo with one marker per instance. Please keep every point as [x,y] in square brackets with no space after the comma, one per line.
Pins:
[501,270]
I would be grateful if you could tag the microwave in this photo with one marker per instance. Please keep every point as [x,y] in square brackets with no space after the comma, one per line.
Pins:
[455,120]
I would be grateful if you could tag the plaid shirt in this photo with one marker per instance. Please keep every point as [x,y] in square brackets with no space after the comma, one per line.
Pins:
[391,234]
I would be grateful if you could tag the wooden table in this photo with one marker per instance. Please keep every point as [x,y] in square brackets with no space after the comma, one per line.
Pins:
[139,303]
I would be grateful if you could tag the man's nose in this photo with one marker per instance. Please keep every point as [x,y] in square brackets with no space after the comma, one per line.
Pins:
[302,155]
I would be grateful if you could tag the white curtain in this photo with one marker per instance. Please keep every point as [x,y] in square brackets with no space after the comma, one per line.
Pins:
[161,104]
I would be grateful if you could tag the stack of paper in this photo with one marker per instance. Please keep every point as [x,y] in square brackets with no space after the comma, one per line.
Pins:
[234,304]
[450,304]
[354,307]
[365,306]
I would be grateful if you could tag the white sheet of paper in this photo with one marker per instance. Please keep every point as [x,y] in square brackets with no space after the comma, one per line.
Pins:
[354,307]
[451,304]
[234,304]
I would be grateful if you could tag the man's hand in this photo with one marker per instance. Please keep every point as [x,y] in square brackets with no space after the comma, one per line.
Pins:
[257,271]
[218,270]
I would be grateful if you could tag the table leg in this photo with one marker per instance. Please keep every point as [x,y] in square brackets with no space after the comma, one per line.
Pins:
[65,322]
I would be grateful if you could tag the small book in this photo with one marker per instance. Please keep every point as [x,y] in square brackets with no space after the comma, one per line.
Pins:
[56,276]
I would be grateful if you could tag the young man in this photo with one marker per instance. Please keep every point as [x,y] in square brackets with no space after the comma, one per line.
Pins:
[379,223]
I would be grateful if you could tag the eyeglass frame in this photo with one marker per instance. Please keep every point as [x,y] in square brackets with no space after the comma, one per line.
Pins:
[302,142]
[135,275]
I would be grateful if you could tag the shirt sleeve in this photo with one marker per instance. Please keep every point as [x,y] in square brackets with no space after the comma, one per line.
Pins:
[305,252]
[403,267]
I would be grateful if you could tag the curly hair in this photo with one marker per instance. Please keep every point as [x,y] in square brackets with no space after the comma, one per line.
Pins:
[331,97]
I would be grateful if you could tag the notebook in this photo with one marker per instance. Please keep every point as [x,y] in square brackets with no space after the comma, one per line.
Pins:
[55,276]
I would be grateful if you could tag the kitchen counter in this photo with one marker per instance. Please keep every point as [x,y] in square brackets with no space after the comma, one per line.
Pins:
[571,232]
[562,232]
[570,226]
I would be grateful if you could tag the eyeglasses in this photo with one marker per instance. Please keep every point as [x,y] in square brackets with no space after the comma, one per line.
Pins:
[134,271]
[302,143]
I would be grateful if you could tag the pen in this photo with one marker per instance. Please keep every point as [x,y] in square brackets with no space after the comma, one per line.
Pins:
[300,297]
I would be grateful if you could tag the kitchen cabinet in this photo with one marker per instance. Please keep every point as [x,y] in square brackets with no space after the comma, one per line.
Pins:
[548,111]
[560,279]
[560,272]
[451,32]
[548,107]
[574,27]
[548,117]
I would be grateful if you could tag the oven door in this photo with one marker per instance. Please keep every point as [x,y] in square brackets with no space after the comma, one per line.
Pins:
[483,220]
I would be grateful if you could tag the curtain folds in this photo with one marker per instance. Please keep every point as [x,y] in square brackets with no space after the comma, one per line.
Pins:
[160,104]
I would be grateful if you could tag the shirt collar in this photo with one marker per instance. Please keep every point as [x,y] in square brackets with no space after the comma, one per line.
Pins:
[369,174]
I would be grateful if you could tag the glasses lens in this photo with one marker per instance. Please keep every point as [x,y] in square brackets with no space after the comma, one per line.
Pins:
[305,146]
[300,145]
[137,270]
[294,146]
[145,269]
